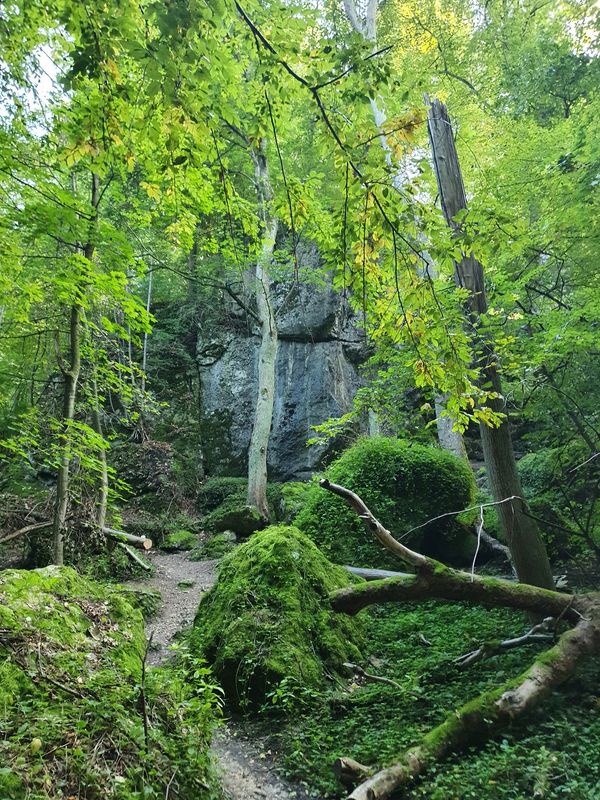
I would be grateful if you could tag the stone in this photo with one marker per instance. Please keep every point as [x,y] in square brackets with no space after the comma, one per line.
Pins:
[317,376]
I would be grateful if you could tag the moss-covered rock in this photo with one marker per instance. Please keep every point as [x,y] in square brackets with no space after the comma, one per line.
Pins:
[225,505]
[268,619]
[71,655]
[147,599]
[243,520]
[216,547]
[404,485]
[179,540]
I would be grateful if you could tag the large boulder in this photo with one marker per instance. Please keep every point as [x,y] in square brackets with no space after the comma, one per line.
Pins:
[404,485]
[268,621]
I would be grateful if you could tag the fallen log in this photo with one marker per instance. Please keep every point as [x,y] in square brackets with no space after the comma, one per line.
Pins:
[374,574]
[134,556]
[349,772]
[490,712]
[120,536]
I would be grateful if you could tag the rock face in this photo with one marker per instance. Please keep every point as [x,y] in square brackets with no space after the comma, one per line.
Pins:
[316,378]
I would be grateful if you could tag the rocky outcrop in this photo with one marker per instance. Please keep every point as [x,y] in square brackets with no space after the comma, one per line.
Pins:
[316,378]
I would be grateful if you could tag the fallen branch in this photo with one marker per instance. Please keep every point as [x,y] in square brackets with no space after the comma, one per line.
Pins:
[539,633]
[38,526]
[349,772]
[492,710]
[120,536]
[369,677]
[134,556]
[374,574]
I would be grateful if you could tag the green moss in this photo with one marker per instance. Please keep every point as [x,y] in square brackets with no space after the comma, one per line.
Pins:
[224,503]
[147,600]
[294,495]
[404,486]
[71,655]
[236,516]
[179,540]
[216,547]
[215,490]
[268,618]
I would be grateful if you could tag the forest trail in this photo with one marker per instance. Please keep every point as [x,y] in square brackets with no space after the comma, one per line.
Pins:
[246,768]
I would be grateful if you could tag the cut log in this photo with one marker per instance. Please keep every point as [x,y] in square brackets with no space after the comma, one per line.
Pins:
[134,556]
[375,574]
[120,536]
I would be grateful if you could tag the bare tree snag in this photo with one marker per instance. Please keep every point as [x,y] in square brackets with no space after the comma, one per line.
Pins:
[491,711]
[521,531]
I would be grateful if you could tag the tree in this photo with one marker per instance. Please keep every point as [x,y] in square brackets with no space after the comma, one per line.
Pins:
[520,529]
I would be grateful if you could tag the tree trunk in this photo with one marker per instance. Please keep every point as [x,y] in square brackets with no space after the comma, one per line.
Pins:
[71,379]
[521,531]
[97,426]
[267,354]
[449,439]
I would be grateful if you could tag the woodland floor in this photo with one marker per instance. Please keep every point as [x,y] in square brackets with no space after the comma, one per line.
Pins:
[247,768]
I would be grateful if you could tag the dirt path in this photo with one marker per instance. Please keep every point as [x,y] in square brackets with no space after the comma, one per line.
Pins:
[247,770]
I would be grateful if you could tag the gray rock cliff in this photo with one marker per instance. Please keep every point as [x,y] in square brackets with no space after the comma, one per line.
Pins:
[317,375]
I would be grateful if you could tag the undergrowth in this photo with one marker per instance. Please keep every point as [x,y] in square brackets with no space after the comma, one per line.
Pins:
[374,723]
[79,716]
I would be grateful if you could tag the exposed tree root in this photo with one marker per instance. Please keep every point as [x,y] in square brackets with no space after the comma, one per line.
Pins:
[491,711]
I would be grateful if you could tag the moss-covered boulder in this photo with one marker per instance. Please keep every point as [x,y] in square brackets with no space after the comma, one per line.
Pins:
[179,540]
[223,501]
[71,710]
[404,485]
[268,619]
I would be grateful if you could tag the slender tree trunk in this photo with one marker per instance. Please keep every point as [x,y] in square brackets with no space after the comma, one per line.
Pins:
[71,378]
[267,354]
[522,533]
[448,438]
[97,426]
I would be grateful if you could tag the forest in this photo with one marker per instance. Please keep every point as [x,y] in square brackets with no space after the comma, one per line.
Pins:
[299,435]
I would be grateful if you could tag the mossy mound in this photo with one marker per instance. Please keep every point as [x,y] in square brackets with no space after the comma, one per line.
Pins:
[179,540]
[268,619]
[216,547]
[225,505]
[71,721]
[404,485]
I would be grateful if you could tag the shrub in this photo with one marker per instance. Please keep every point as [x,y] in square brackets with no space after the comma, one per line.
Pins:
[404,485]
[268,619]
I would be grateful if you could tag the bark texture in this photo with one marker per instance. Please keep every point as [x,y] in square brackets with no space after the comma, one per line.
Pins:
[267,354]
[521,531]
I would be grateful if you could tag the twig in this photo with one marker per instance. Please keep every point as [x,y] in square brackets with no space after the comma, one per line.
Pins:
[370,678]
[539,633]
